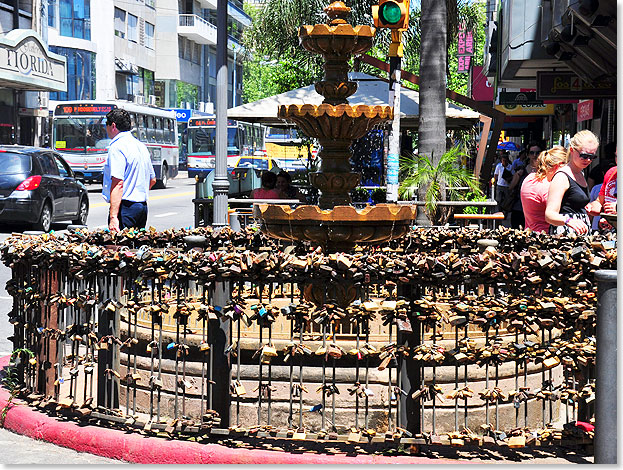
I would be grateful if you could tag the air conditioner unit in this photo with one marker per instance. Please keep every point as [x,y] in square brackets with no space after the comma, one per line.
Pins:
[152,100]
[139,99]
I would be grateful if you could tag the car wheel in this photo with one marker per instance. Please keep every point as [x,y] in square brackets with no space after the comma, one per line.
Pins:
[83,212]
[164,178]
[45,219]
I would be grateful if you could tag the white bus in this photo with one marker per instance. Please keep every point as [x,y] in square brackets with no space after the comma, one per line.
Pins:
[245,145]
[79,134]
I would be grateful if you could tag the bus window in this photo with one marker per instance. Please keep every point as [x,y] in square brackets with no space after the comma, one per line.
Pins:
[151,129]
[159,131]
[168,131]
[142,131]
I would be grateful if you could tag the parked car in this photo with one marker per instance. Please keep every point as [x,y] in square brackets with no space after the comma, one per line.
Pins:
[37,186]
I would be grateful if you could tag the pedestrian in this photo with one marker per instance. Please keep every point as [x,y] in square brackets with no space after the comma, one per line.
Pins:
[607,199]
[535,187]
[128,174]
[267,190]
[285,188]
[606,161]
[502,176]
[568,197]
[520,171]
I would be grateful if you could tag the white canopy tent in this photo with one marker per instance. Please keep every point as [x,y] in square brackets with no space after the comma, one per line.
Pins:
[371,91]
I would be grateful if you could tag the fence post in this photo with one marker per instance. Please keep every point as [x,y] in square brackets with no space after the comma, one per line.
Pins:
[606,362]
[222,366]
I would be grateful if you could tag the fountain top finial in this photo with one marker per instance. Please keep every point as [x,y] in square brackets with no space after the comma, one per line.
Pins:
[337,13]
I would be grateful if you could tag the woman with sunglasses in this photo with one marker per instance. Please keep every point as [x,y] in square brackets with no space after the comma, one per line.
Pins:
[568,192]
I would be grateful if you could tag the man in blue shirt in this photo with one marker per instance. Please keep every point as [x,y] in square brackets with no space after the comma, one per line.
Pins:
[128,174]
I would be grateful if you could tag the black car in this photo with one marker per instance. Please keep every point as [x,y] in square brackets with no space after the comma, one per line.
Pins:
[37,186]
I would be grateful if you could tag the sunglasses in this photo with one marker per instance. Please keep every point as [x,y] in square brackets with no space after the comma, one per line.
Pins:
[587,156]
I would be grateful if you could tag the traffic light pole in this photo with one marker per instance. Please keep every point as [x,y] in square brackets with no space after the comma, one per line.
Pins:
[393,155]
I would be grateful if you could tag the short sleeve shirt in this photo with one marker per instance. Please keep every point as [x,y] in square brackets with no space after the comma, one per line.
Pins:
[499,169]
[128,160]
[609,186]
[534,201]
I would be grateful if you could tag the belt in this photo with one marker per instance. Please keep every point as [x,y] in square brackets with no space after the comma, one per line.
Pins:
[125,202]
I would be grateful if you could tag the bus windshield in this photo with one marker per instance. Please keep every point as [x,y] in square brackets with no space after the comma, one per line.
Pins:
[203,140]
[81,135]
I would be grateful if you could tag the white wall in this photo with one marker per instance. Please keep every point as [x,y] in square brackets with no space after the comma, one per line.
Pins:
[167,58]
[102,34]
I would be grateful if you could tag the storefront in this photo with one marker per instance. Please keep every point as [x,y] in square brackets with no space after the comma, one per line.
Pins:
[28,70]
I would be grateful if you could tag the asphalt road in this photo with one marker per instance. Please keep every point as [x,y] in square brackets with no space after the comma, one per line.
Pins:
[168,208]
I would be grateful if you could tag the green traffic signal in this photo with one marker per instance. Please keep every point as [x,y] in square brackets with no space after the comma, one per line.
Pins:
[390,13]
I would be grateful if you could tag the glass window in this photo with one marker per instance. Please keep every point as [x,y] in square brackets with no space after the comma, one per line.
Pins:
[132,28]
[48,164]
[119,22]
[180,47]
[74,16]
[52,4]
[142,131]
[151,129]
[80,75]
[14,163]
[159,131]
[149,35]
[63,170]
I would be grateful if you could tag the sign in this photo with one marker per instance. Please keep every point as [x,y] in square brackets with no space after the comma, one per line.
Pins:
[464,49]
[585,110]
[208,122]
[84,109]
[182,115]
[518,97]
[159,92]
[553,85]
[25,63]
[526,109]
[481,88]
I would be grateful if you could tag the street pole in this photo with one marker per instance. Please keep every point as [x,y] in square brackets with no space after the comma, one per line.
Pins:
[393,155]
[221,184]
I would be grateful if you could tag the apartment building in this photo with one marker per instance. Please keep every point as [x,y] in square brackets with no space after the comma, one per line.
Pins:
[161,52]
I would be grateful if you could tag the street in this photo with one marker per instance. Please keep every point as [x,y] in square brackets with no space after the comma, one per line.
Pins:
[170,207]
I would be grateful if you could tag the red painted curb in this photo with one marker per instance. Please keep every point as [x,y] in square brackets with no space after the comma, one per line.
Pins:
[136,448]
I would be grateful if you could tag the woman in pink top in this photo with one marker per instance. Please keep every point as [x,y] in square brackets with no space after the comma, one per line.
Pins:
[536,185]
[267,191]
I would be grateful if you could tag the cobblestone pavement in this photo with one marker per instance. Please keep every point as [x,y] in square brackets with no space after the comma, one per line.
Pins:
[18,449]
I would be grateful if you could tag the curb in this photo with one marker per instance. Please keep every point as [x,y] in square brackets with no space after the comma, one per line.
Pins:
[136,448]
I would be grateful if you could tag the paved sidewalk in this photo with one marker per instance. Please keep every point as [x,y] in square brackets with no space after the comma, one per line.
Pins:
[21,450]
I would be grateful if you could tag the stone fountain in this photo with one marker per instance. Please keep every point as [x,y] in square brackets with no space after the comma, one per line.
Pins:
[335,224]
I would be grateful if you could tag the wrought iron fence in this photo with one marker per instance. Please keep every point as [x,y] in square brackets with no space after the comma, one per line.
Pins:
[447,337]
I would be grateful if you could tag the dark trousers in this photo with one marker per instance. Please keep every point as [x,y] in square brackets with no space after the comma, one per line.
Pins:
[132,214]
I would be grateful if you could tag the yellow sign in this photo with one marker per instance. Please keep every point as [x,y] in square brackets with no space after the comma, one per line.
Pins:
[61,144]
[526,109]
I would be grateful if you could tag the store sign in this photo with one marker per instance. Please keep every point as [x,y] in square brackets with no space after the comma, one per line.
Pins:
[552,85]
[25,63]
[526,109]
[585,110]
[519,97]
[481,88]
[182,115]
[86,109]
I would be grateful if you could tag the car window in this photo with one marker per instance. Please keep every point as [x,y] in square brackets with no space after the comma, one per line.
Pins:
[48,165]
[14,163]
[63,168]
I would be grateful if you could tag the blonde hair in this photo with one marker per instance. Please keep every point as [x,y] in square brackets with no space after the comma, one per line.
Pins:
[548,159]
[580,139]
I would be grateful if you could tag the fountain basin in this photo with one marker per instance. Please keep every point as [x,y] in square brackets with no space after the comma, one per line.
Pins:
[336,40]
[341,227]
[330,122]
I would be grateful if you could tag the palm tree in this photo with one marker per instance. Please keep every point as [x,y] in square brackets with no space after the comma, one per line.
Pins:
[432,178]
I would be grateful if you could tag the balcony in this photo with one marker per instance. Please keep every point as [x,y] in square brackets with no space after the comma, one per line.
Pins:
[238,14]
[196,29]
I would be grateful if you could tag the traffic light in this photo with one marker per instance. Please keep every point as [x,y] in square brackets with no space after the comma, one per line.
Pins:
[392,14]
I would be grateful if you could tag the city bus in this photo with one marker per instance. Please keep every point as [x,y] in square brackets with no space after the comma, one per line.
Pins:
[245,145]
[285,146]
[79,134]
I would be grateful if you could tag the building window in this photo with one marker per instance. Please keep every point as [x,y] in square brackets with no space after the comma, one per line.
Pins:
[149,35]
[197,55]
[52,4]
[75,18]
[119,22]
[132,28]
[180,47]
[188,49]
[80,75]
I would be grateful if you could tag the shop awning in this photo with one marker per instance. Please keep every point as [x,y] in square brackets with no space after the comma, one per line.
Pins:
[371,91]
[27,64]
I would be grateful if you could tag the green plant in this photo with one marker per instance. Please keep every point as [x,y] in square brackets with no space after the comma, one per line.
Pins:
[476,198]
[379,196]
[446,177]
[12,379]
[360,195]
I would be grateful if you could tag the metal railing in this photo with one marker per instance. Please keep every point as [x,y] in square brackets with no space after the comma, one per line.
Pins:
[435,339]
